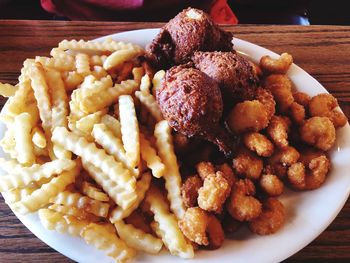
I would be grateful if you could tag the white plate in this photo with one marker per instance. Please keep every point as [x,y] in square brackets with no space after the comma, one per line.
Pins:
[308,213]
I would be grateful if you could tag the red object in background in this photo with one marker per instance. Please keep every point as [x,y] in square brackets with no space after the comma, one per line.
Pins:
[222,13]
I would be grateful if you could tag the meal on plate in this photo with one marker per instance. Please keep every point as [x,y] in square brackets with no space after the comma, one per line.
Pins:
[178,145]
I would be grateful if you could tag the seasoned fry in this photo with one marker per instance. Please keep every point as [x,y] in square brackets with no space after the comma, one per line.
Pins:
[24,146]
[138,239]
[172,177]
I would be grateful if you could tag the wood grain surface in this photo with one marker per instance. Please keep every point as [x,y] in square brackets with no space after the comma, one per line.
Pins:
[323,51]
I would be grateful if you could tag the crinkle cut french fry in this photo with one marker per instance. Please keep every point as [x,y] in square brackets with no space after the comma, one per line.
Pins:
[16,195]
[86,123]
[112,124]
[24,146]
[38,138]
[71,79]
[104,99]
[99,72]
[8,143]
[145,85]
[53,220]
[82,64]
[9,165]
[82,202]
[117,58]
[138,239]
[58,63]
[122,197]
[97,60]
[94,192]
[102,238]
[21,177]
[150,103]
[172,176]
[142,186]
[170,232]
[157,80]
[98,157]
[41,197]
[149,155]
[7,90]
[80,214]
[129,129]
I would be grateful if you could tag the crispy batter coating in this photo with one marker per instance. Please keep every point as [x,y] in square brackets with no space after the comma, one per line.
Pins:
[302,98]
[271,184]
[189,190]
[271,219]
[276,66]
[205,169]
[202,228]
[214,192]
[248,116]
[247,164]
[278,130]
[282,159]
[325,105]
[242,205]
[227,172]
[258,143]
[266,98]
[281,89]
[319,132]
[297,112]
[312,177]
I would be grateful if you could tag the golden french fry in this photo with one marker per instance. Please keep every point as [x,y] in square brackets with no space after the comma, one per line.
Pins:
[94,192]
[137,239]
[38,137]
[129,129]
[99,72]
[117,58]
[7,90]
[169,232]
[9,165]
[124,198]
[71,79]
[23,176]
[145,85]
[82,64]
[18,194]
[157,80]
[98,157]
[150,103]
[97,60]
[101,236]
[112,124]
[79,213]
[53,220]
[8,143]
[142,186]
[86,123]
[82,202]
[58,63]
[41,197]
[172,176]
[24,146]
[149,155]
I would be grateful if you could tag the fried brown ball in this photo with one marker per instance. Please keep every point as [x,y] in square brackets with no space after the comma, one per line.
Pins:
[271,184]
[191,103]
[232,72]
[189,31]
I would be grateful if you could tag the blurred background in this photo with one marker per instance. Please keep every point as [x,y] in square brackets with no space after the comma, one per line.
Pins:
[304,12]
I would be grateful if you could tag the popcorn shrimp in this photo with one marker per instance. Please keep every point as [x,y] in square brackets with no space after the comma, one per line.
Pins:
[282,159]
[297,112]
[278,130]
[276,66]
[325,105]
[258,143]
[227,172]
[242,205]
[189,190]
[271,184]
[246,163]
[266,98]
[302,98]
[204,169]
[271,218]
[319,132]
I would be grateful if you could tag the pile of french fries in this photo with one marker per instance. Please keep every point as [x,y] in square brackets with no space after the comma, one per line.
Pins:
[86,143]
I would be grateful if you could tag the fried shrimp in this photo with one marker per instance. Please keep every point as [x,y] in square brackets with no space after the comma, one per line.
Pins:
[227,172]
[276,66]
[302,98]
[248,116]
[214,192]
[278,130]
[204,169]
[319,132]
[247,164]
[270,220]
[242,205]
[282,159]
[309,176]
[271,184]
[258,143]
[325,105]
[202,228]
[266,98]
[297,112]
[189,190]
[281,89]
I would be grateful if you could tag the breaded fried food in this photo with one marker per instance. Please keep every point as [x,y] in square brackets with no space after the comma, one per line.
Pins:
[191,103]
[242,205]
[276,66]
[278,130]
[319,132]
[271,184]
[271,219]
[232,72]
[258,143]
[266,98]
[214,192]
[247,164]
[189,31]
[227,172]
[205,169]
[189,190]
[202,228]
[297,112]
[248,116]
[282,159]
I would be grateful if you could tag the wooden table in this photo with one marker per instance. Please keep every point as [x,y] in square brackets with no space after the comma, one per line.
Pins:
[323,51]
